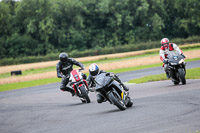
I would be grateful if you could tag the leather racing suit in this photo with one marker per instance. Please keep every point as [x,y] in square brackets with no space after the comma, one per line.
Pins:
[172,49]
[91,83]
[63,71]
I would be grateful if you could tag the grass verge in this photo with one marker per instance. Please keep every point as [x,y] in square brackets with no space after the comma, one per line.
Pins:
[53,68]
[35,68]
[145,66]
[19,85]
[13,86]
[193,73]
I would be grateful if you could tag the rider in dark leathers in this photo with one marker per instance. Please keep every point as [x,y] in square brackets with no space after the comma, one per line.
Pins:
[93,72]
[64,67]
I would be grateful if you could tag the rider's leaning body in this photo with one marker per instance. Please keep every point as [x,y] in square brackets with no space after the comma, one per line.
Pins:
[64,67]
[93,72]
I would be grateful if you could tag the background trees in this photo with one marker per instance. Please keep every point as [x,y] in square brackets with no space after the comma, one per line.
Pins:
[41,27]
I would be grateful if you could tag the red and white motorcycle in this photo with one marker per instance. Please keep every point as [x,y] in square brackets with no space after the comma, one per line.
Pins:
[80,86]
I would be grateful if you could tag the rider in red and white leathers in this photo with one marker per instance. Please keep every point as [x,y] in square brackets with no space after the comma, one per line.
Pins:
[168,49]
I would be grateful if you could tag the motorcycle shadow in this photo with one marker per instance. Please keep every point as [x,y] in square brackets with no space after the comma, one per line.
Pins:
[78,104]
[110,111]
[115,110]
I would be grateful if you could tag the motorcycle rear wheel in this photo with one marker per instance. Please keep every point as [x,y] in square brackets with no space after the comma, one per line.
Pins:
[116,100]
[84,93]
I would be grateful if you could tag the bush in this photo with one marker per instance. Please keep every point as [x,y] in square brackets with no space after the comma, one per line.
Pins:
[101,51]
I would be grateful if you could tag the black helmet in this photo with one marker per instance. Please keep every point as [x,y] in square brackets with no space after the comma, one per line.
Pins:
[63,57]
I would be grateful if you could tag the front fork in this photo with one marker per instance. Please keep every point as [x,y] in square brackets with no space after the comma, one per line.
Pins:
[123,95]
[77,90]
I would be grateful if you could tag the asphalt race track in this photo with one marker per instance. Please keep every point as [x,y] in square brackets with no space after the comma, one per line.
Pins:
[159,107]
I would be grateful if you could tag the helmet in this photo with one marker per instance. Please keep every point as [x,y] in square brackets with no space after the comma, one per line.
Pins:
[165,42]
[63,57]
[94,69]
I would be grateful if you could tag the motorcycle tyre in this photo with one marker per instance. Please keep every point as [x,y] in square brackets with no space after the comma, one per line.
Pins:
[84,93]
[182,75]
[176,83]
[116,101]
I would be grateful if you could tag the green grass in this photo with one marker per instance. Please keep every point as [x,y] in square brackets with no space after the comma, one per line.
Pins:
[13,86]
[105,60]
[20,85]
[31,71]
[193,73]
[53,68]
[145,66]
[135,68]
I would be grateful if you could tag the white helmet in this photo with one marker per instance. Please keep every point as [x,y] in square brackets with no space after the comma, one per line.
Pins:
[94,69]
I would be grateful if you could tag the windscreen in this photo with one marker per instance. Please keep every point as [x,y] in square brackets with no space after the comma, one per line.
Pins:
[102,80]
[174,58]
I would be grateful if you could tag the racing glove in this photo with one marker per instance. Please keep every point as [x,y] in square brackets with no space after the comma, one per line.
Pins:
[183,55]
[82,68]
[63,76]
[165,61]
[110,74]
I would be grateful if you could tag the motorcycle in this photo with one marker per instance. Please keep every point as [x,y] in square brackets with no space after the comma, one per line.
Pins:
[80,86]
[112,91]
[177,69]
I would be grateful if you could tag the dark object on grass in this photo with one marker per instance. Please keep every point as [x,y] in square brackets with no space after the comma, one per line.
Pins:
[18,72]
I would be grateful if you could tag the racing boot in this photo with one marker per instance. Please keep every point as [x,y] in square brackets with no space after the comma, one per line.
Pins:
[72,92]
[69,90]
[100,98]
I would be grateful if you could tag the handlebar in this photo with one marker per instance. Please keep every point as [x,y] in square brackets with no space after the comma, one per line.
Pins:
[79,70]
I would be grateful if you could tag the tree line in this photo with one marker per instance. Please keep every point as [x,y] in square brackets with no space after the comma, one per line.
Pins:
[42,27]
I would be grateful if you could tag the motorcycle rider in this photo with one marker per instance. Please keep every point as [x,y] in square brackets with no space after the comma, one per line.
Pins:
[93,72]
[167,49]
[64,67]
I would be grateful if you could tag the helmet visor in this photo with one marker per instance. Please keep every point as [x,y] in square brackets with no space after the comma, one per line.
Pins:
[94,73]
[165,44]
[63,59]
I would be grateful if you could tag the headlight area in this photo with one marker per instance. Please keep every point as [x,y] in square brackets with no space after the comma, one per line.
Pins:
[181,61]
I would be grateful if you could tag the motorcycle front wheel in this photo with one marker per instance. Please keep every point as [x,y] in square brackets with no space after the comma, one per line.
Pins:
[181,73]
[116,100]
[84,94]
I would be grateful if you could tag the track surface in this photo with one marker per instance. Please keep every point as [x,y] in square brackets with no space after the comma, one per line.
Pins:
[158,107]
